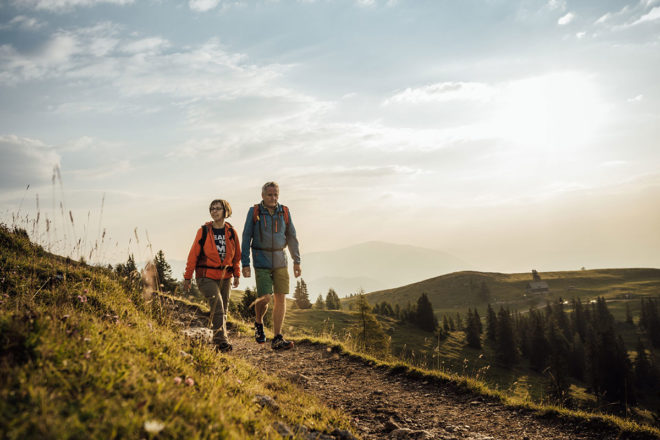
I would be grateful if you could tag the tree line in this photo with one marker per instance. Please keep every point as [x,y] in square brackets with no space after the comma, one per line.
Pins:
[582,344]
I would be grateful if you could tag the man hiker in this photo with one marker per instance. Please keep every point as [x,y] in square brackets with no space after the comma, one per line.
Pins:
[268,230]
[215,257]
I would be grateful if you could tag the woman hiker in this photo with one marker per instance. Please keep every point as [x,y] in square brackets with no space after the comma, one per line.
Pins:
[215,258]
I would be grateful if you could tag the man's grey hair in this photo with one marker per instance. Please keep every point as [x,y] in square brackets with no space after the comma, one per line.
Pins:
[269,185]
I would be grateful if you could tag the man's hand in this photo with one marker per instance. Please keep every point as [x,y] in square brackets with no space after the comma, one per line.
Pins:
[297,271]
[246,271]
[236,279]
[186,286]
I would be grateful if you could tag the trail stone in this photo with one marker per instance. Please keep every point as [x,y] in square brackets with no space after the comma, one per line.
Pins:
[283,430]
[409,434]
[391,425]
[266,401]
[342,434]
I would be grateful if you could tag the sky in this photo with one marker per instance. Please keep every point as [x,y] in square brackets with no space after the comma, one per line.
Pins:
[511,134]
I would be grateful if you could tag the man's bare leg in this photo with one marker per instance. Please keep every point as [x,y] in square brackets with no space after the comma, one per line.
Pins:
[260,308]
[279,310]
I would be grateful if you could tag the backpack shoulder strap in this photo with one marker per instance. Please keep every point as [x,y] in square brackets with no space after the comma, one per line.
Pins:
[201,241]
[230,228]
[285,209]
[255,213]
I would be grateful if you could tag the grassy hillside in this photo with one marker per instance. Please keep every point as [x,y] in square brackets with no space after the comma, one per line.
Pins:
[456,292]
[85,355]
[460,290]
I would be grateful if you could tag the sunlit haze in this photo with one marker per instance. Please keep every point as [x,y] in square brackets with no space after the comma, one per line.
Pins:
[513,135]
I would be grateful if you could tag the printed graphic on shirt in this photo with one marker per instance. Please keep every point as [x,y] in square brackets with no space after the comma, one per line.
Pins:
[219,236]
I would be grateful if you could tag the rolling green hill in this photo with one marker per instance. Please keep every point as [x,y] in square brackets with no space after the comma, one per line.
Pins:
[460,290]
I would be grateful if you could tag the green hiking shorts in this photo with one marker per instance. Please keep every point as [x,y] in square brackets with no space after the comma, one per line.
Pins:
[272,281]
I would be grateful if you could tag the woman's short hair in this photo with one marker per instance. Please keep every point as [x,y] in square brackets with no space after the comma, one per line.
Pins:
[225,206]
[269,185]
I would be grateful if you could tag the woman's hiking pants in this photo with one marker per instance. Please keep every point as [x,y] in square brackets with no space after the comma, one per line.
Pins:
[216,293]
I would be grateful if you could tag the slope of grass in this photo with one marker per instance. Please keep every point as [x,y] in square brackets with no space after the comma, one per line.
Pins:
[458,291]
[83,357]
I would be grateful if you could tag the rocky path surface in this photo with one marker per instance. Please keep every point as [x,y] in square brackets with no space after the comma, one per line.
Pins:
[390,405]
[386,405]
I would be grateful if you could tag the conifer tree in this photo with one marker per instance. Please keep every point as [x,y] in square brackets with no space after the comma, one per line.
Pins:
[472,330]
[332,300]
[425,318]
[301,296]
[477,320]
[506,350]
[557,369]
[491,324]
[538,344]
[644,377]
[164,270]
[579,320]
[319,304]
[368,332]
[459,322]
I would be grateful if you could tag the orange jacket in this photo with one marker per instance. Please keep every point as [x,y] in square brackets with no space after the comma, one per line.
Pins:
[210,265]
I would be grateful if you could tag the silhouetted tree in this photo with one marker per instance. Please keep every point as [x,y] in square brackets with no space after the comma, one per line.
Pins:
[425,318]
[332,300]
[368,333]
[301,295]
[506,351]
[164,270]
[491,324]
[472,330]
[319,304]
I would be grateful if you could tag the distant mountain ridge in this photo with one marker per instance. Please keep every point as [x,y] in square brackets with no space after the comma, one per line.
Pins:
[374,265]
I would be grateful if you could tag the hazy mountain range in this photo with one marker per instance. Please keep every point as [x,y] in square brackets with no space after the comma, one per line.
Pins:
[372,265]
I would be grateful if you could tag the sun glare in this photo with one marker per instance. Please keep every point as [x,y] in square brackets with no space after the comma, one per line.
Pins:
[551,113]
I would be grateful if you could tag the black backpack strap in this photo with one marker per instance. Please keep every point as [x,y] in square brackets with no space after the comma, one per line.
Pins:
[202,241]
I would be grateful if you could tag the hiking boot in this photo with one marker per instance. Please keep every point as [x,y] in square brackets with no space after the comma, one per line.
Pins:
[224,347]
[279,343]
[259,334]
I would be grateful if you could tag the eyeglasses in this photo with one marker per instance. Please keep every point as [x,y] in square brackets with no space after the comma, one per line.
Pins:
[217,208]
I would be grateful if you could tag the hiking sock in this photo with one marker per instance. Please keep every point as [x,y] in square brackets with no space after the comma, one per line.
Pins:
[259,334]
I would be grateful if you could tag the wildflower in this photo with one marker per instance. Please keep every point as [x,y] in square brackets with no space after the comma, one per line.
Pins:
[82,298]
[88,354]
[177,380]
[189,381]
[85,290]
[153,426]
[240,382]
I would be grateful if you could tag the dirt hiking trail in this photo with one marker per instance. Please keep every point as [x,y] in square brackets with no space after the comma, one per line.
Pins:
[390,405]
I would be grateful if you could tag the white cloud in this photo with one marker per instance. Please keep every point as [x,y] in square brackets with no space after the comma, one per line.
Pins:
[443,92]
[25,161]
[581,35]
[64,52]
[556,5]
[652,15]
[637,98]
[564,20]
[203,5]
[146,45]
[366,2]
[100,53]
[23,22]
[64,5]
